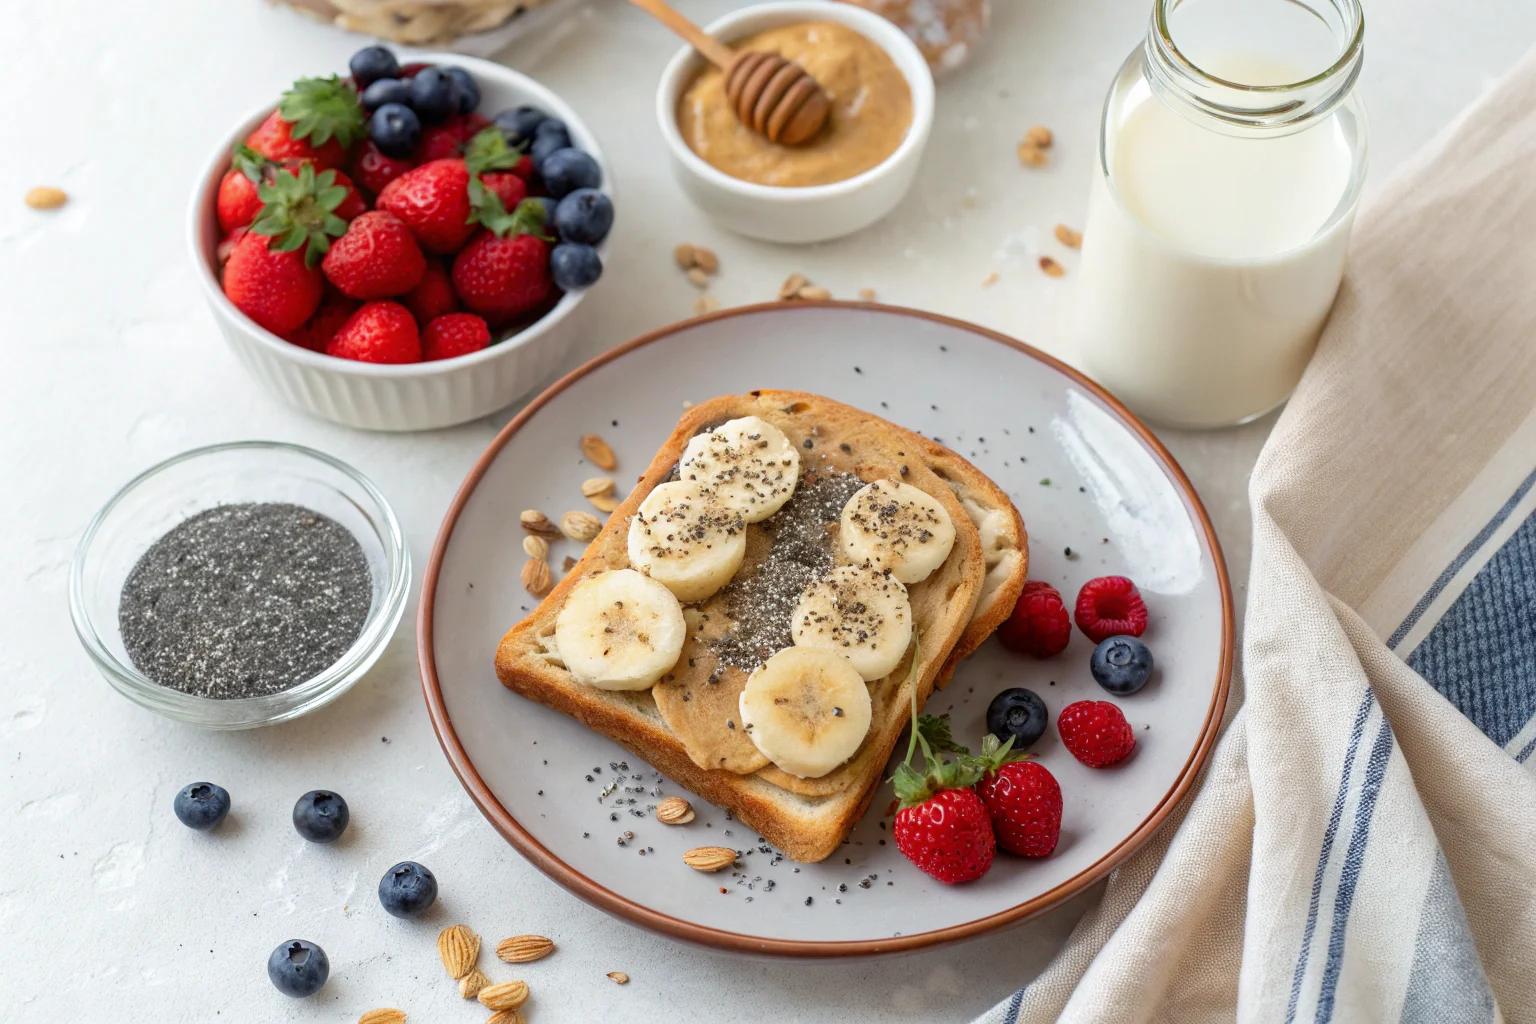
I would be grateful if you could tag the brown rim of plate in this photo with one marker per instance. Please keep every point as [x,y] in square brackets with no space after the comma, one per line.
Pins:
[607,900]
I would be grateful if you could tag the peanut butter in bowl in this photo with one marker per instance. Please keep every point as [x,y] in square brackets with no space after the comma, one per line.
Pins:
[871,110]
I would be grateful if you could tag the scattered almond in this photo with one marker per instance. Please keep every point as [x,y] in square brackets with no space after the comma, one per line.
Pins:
[593,486]
[538,524]
[471,984]
[383,1015]
[1039,135]
[619,977]
[44,198]
[506,1017]
[504,995]
[866,295]
[705,303]
[709,858]
[813,293]
[989,280]
[580,526]
[1067,237]
[568,564]
[674,810]
[598,453]
[698,278]
[705,259]
[605,502]
[535,547]
[791,287]
[1032,156]
[520,949]
[536,580]
[458,947]
[1051,267]
[685,255]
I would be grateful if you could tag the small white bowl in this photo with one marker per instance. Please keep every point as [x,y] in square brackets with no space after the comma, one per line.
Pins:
[416,396]
[814,213]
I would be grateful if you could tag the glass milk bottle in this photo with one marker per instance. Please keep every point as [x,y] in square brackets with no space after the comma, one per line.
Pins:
[1231,156]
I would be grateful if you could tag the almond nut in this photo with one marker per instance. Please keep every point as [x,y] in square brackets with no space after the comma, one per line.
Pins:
[709,858]
[535,547]
[674,810]
[698,278]
[595,485]
[598,453]
[605,502]
[1051,267]
[580,526]
[471,984]
[685,255]
[705,259]
[383,1015]
[520,949]
[458,947]
[1032,156]
[538,524]
[536,577]
[506,1017]
[568,564]
[504,995]
[989,280]
[1039,135]
[705,303]
[1067,237]
[813,293]
[44,198]
[619,977]
[791,286]
[866,295]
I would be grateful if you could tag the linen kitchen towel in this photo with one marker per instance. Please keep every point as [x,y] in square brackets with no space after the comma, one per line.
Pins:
[1363,846]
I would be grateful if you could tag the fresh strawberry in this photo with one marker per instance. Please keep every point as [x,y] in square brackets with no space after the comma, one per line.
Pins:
[1022,797]
[354,205]
[409,70]
[227,246]
[299,210]
[377,258]
[1110,606]
[433,297]
[503,273]
[277,288]
[379,332]
[1095,732]
[373,170]
[448,140]
[238,203]
[454,334]
[318,120]
[273,139]
[318,330]
[1039,623]
[509,188]
[433,200]
[524,167]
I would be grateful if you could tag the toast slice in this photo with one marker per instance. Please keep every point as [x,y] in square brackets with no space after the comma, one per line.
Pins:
[684,726]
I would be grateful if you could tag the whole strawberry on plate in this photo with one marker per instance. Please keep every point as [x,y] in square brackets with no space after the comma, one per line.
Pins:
[1022,797]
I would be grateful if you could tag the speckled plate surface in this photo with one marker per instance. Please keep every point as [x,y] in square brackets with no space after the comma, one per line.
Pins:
[1098,495]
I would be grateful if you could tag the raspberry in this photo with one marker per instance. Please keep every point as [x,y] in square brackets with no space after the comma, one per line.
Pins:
[1039,624]
[1110,606]
[1095,732]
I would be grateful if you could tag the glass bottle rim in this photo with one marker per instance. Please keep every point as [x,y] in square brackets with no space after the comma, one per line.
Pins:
[1349,54]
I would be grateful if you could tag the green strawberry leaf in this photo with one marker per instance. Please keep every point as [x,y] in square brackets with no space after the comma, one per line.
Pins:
[249,162]
[910,785]
[299,209]
[488,151]
[321,109]
[935,729]
[485,207]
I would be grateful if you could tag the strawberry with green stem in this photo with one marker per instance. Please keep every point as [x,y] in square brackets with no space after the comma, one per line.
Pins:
[238,202]
[1022,797]
[318,120]
[503,273]
[299,211]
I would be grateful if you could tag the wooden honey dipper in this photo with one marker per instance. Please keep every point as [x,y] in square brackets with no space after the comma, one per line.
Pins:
[772,96]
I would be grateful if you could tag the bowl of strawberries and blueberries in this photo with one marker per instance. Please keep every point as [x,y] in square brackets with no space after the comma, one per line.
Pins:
[381,217]
[954,813]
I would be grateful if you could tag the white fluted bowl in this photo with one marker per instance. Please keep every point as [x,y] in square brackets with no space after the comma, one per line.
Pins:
[416,396]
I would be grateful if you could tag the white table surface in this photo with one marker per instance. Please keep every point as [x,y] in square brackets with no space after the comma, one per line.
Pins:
[109,908]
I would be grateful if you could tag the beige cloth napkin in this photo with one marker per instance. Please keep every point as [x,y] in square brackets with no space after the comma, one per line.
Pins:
[1363,846]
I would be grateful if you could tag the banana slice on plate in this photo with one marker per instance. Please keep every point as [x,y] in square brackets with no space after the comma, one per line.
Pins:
[807,710]
[859,612]
[895,526]
[682,538]
[748,464]
[620,631]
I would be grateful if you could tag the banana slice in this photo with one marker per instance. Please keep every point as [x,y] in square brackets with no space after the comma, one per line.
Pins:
[620,631]
[683,539]
[895,526]
[859,612]
[807,710]
[748,464]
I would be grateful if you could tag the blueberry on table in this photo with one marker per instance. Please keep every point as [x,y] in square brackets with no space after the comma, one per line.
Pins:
[407,889]
[298,968]
[1122,665]
[566,170]
[395,129]
[574,266]
[434,95]
[1017,713]
[584,215]
[202,805]
[468,90]
[372,63]
[386,90]
[321,816]
[520,125]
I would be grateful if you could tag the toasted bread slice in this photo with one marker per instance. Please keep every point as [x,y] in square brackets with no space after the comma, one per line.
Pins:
[685,725]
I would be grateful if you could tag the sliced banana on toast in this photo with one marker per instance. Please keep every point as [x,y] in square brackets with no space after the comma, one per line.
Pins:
[619,630]
[747,464]
[859,612]
[895,526]
[807,710]
[682,538]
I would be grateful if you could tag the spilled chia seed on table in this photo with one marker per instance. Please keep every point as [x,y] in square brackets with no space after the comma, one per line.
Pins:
[245,601]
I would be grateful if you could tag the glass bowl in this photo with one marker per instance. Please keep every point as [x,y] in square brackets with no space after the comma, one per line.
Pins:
[246,471]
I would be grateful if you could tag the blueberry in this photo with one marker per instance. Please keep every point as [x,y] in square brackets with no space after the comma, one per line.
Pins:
[298,968]
[1122,665]
[552,126]
[584,215]
[395,129]
[202,805]
[321,816]
[566,170]
[550,138]
[434,95]
[1019,713]
[574,266]
[468,90]
[386,90]
[407,889]
[372,63]
[519,125]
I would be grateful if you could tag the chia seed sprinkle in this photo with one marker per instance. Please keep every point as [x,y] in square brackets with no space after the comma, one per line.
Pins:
[245,600]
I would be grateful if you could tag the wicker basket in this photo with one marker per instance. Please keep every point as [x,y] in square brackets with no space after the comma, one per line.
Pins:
[429,22]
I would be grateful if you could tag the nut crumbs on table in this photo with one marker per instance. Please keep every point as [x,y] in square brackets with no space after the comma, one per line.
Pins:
[504,995]
[598,453]
[1069,238]
[989,280]
[536,577]
[705,303]
[813,293]
[535,547]
[1032,156]
[674,810]
[45,198]
[705,259]
[605,502]
[538,524]
[697,278]
[791,286]
[595,485]
[1039,135]
[619,977]
[383,1015]
[1051,267]
[471,984]
[506,1017]
[522,949]
[580,526]
[709,858]
[684,254]
[458,947]
[568,564]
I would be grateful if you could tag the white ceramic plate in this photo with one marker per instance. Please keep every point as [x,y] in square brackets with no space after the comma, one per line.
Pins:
[1084,474]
